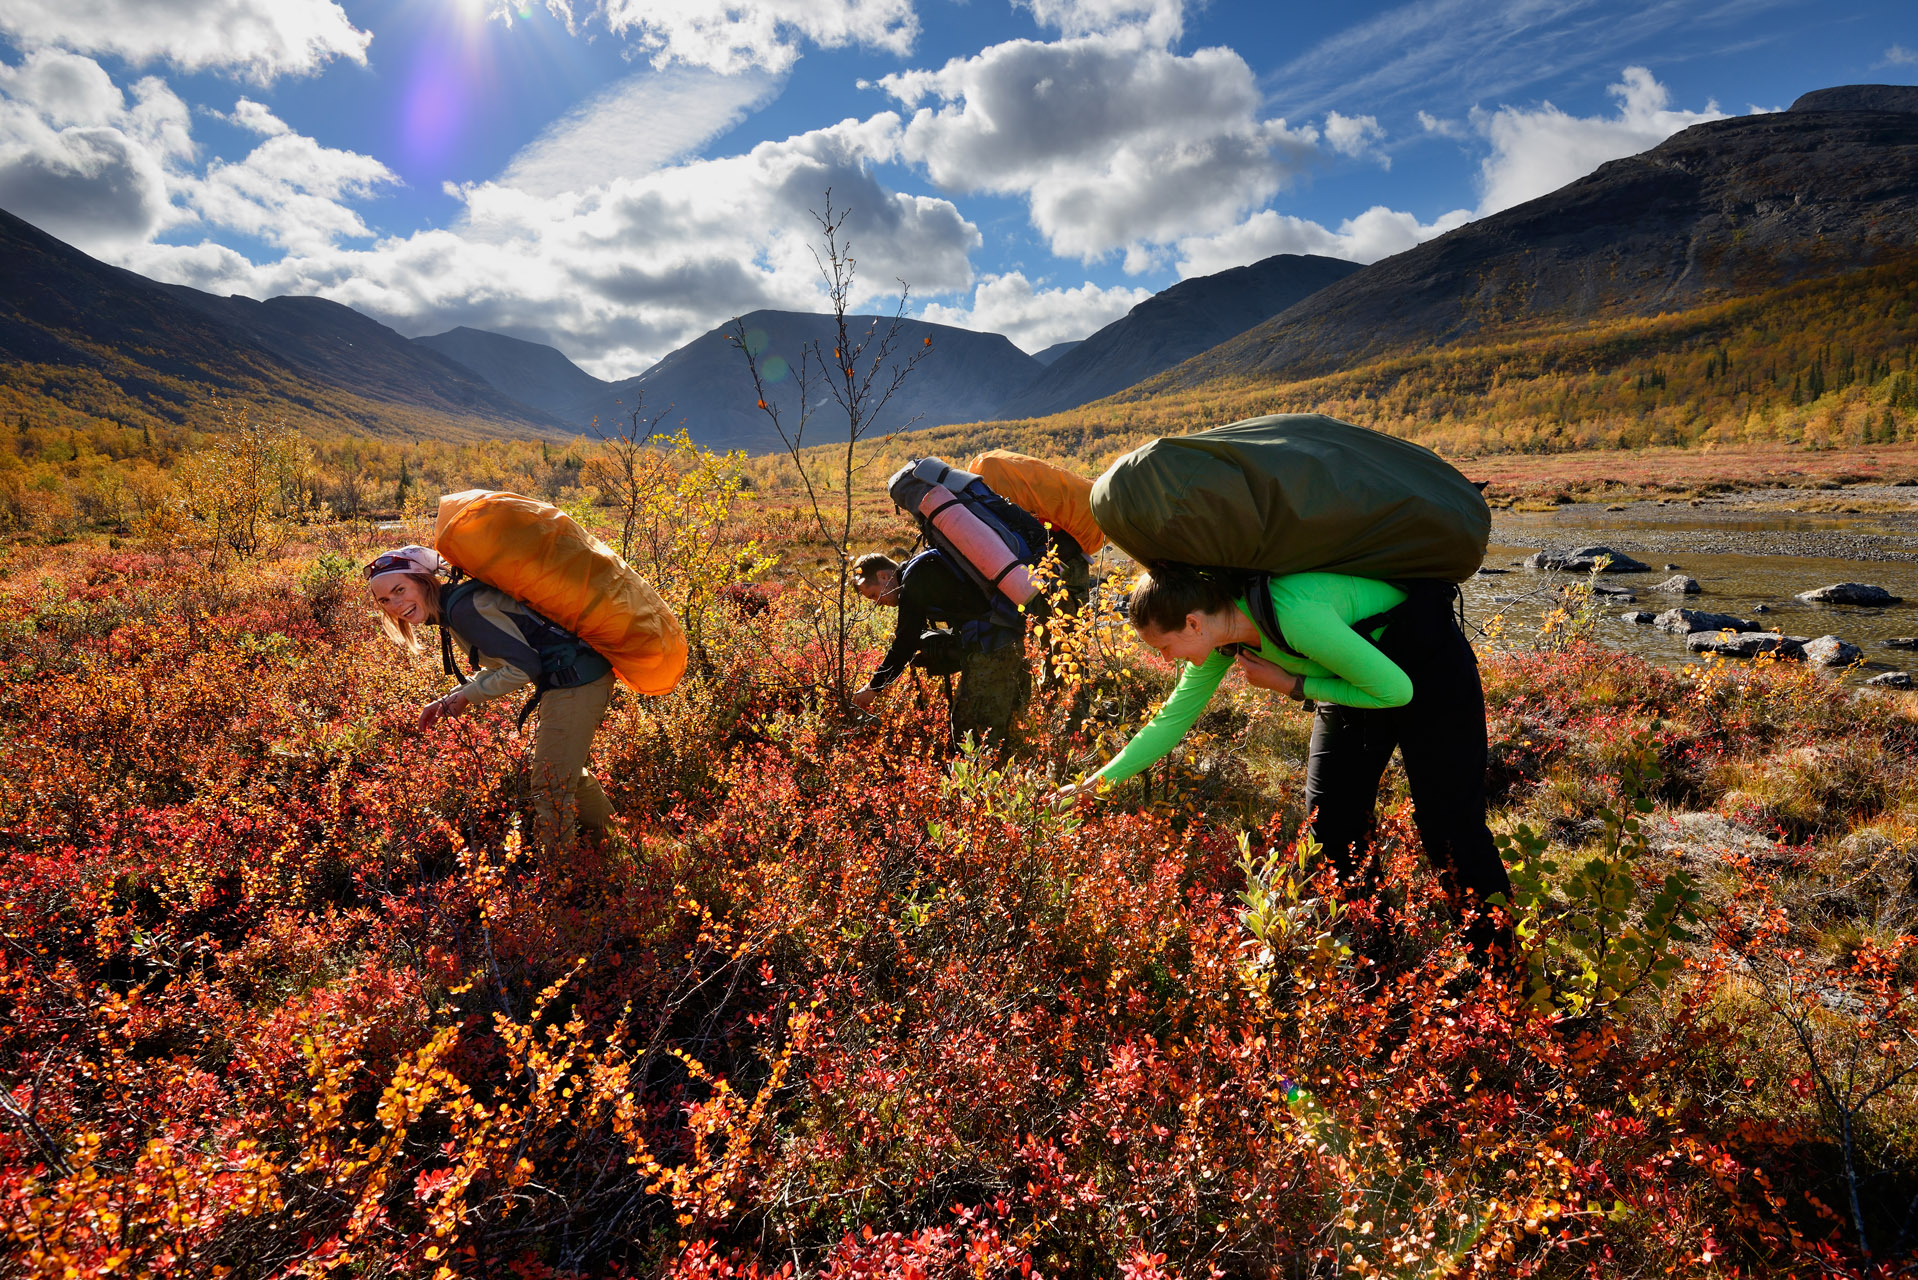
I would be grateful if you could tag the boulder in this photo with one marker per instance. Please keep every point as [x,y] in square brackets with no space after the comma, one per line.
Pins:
[1679,585]
[1849,593]
[1486,573]
[1761,608]
[1670,567]
[1637,617]
[1902,642]
[1616,593]
[1683,622]
[1830,651]
[1584,560]
[1744,644]
[1891,680]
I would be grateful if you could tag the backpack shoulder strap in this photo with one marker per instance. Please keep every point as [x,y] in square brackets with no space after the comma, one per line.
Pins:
[451,594]
[1258,603]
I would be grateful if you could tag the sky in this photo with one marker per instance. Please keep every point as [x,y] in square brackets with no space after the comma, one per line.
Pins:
[616,177]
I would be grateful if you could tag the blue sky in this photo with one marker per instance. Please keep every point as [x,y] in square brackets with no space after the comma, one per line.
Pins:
[615,177]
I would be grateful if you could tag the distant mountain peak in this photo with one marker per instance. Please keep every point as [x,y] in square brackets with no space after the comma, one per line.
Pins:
[1174,325]
[1902,98]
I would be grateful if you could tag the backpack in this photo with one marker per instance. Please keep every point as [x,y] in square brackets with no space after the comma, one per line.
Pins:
[988,539]
[1295,493]
[565,661]
[1061,498]
[538,555]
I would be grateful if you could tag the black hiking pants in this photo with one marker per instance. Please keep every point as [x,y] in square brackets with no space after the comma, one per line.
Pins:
[1440,737]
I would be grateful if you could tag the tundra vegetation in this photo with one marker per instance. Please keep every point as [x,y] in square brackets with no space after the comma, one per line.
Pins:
[285,993]
[1814,379]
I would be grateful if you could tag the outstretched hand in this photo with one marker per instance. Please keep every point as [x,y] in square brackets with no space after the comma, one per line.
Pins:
[1073,792]
[453,704]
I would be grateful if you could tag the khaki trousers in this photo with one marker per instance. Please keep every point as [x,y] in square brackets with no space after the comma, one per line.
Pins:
[564,794]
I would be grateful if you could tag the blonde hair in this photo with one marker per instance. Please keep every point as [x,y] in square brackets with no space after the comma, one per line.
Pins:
[405,634]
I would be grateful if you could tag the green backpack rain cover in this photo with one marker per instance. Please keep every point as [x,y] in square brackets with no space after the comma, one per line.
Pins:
[1293,493]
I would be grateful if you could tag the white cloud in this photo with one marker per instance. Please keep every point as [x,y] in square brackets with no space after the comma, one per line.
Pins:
[81,162]
[1377,233]
[1355,136]
[107,174]
[1900,56]
[729,36]
[1035,318]
[255,118]
[1114,144]
[619,275]
[635,127]
[289,191]
[260,40]
[1540,149]
[1160,21]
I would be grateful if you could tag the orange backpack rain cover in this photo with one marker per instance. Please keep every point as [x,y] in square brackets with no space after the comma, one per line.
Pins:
[539,555]
[1061,498]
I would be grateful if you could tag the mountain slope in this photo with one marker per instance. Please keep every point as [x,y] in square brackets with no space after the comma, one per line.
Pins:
[529,372]
[1174,325]
[1721,210]
[127,348]
[705,385]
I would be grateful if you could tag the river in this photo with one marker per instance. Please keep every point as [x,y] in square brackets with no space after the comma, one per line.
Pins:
[1744,550]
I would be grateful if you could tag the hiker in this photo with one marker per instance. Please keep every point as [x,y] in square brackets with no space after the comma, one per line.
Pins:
[512,647]
[1387,667]
[988,655]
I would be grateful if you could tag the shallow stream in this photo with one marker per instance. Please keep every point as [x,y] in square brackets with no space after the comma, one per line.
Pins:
[1744,551]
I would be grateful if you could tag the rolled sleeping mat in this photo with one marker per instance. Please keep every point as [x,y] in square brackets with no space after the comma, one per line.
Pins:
[972,538]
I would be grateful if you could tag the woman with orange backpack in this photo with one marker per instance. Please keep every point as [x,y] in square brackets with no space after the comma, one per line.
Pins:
[511,646]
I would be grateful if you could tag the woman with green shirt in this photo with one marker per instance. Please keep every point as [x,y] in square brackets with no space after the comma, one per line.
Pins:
[1388,668]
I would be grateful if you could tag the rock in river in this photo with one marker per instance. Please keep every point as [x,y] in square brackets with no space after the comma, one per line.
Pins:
[1683,622]
[1891,680]
[1830,651]
[1745,644]
[1679,585]
[1849,593]
[1584,560]
[1638,617]
[1902,642]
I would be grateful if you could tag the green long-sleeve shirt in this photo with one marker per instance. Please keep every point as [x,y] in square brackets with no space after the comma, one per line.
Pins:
[1315,611]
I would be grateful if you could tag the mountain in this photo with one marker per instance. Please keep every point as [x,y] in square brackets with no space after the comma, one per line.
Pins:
[705,385]
[1174,325]
[529,372]
[1719,211]
[1054,351]
[116,345]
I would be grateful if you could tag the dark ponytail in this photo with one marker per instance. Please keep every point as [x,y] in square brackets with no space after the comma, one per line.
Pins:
[1170,591]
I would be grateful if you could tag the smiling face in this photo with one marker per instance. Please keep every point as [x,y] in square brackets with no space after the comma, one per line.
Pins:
[1193,643]
[406,597]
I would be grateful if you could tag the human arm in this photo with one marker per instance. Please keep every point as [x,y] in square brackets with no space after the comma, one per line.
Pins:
[910,622]
[480,624]
[1173,721]
[453,704]
[1264,674]
[1357,673]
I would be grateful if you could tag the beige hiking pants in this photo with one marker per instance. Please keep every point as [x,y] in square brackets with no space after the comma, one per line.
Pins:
[564,794]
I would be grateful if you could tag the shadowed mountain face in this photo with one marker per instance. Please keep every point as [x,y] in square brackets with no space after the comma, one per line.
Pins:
[1174,325]
[1721,210]
[528,372]
[705,386]
[169,349]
